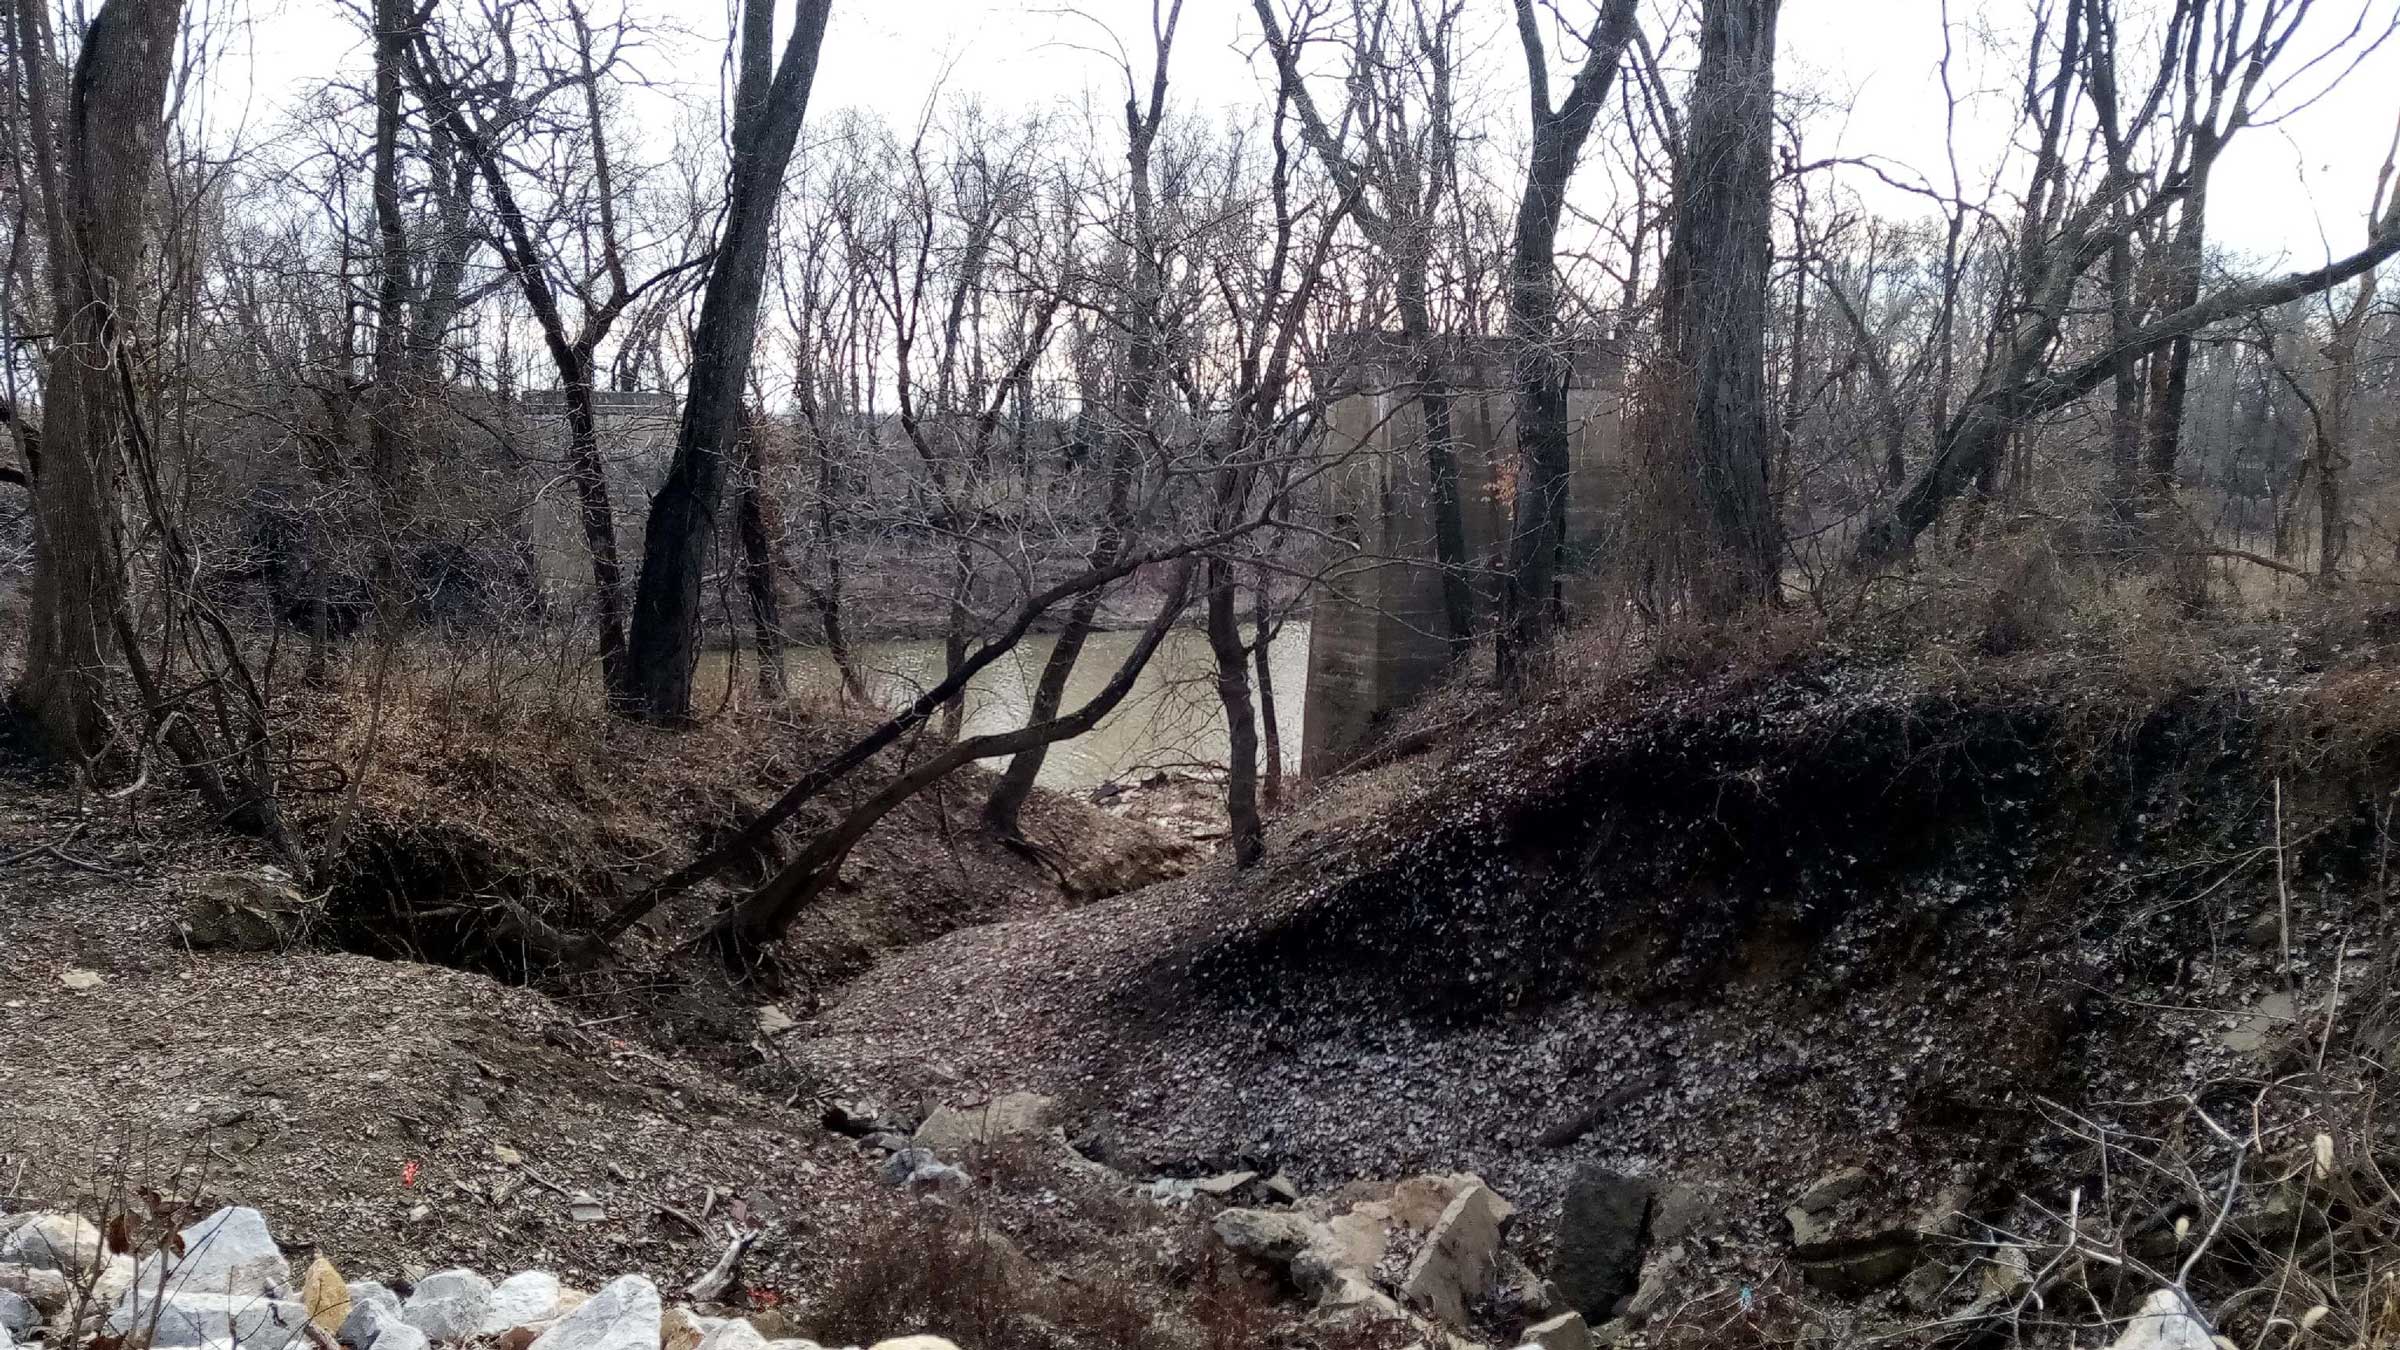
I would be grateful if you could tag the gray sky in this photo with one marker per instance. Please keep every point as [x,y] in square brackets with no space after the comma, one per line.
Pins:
[2290,192]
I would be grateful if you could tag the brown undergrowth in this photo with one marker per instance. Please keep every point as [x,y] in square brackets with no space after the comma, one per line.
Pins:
[452,806]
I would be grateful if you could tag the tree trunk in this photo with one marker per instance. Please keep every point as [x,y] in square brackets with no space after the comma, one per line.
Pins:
[1717,306]
[1262,643]
[2125,414]
[599,519]
[112,133]
[664,644]
[1540,361]
[1241,717]
[388,460]
[757,521]
[1441,458]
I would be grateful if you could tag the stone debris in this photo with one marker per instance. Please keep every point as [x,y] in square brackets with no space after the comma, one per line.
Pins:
[530,1298]
[325,1296]
[1461,1253]
[1603,1227]
[18,1316]
[953,1131]
[51,1240]
[257,911]
[449,1305]
[210,1320]
[2165,1322]
[1567,1331]
[624,1315]
[229,1253]
[371,1305]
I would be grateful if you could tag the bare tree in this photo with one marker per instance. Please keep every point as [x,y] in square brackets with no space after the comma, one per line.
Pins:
[1715,311]
[602,290]
[770,101]
[94,200]
[1539,352]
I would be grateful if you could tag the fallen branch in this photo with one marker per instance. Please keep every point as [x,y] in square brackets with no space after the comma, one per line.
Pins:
[712,1286]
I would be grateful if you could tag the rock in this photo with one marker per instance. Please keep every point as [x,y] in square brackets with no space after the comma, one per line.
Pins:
[449,1305]
[2164,1323]
[1282,1188]
[114,1281]
[1596,1257]
[2007,1270]
[229,1253]
[899,1167]
[369,1302]
[18,1316]
[1271,1236]
[256,911]
[2265,929]
[47,1290]
[1855,1266]
[197,1319]
[374,1326]
[733,1334]
[1835,1189]
[529,1298]
[1840,1248]
[938,1177]
[883,1142]
[2251,1033]
[1678,1211]
[325,1296]
[624,1315]
[1462,1250]
[80,980]
[1926,1287]
[54,1240]
[1661,1276]
[1015,1115]
[679,1329]
[1223,1184]
[858,1119]
[1567,1331]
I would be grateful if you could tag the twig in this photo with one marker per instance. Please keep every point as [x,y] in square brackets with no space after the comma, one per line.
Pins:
[680,1217]
[2283,885]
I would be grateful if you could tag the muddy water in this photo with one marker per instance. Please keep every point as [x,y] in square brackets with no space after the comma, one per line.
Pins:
[1171,720]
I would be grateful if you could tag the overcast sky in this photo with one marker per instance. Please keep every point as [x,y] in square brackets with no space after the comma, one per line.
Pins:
[2287,192]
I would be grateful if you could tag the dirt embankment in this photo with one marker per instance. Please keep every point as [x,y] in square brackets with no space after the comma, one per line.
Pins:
[1736,933]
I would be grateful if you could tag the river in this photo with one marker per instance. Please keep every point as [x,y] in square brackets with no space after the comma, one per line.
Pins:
[1171,720]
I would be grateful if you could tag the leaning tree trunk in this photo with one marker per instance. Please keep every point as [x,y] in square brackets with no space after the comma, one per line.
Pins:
[1541,364]
[1717,310]
[111,133]
[664,645]
[742,932]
